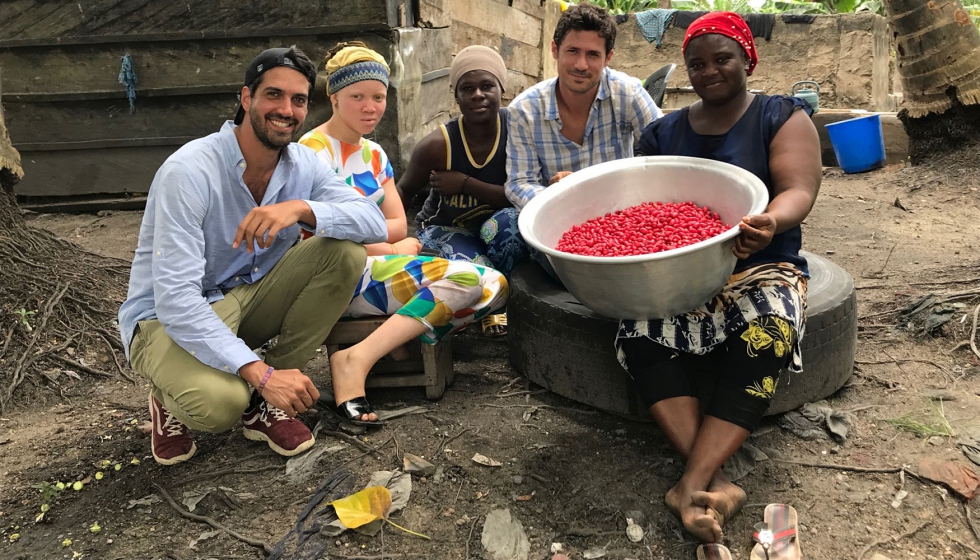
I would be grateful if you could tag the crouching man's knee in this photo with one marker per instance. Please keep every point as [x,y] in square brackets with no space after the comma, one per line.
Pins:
[213,409]
[340,257]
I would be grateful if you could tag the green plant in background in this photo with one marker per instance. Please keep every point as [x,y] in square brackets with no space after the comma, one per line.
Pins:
[764,6]
[850,6]
[973,9]
[740,6]
[747,6]
[618,6]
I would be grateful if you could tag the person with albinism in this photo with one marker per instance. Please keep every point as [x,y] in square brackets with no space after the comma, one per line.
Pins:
[424,297]
[218,272]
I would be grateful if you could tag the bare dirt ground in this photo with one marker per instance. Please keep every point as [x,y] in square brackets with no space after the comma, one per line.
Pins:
[569,474]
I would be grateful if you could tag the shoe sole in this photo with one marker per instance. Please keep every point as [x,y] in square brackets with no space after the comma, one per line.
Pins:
[177,459]
[172,460]
[256,435]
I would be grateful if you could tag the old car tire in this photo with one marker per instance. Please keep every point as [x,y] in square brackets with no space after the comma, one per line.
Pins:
[563,346]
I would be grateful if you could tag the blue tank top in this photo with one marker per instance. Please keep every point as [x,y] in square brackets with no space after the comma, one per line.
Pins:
[745,145]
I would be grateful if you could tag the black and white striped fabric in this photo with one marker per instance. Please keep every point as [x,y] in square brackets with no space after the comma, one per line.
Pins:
[772,289]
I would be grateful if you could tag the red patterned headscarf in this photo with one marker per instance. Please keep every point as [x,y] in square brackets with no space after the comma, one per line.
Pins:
[730,25]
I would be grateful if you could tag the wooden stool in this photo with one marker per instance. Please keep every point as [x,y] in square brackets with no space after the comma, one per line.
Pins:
[430,365]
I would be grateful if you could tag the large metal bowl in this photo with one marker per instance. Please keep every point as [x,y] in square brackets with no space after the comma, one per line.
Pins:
[644,286]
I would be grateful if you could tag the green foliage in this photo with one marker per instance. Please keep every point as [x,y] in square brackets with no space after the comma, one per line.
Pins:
[973,8]
[850,6]
[623,6]
[767,6]
[748,6]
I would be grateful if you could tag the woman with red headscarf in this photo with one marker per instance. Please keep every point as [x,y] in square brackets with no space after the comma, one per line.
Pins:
[743,337]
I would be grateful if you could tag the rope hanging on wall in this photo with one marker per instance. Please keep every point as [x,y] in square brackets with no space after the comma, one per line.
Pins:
[127,77]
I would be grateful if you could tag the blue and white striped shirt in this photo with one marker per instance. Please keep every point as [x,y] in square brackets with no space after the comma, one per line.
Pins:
[536,149]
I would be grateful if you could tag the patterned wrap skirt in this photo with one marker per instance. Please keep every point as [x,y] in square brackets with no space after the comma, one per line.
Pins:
[443,295]
[746,303]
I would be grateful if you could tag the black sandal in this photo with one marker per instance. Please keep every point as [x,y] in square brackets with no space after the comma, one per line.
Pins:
[352,409]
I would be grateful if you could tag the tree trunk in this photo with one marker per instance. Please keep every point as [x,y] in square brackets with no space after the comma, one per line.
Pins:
[938,55]
[10,173]
[57,301]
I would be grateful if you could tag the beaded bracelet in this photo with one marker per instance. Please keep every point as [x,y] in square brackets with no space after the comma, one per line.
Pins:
[265,379]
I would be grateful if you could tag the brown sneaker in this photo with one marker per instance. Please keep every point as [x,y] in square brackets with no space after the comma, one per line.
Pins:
[170,439]
[286,436]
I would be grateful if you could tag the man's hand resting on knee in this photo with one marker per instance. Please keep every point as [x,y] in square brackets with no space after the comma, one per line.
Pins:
[261,225]
[286,389]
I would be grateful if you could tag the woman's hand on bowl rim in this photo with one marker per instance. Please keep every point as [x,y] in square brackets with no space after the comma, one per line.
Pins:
[755,234]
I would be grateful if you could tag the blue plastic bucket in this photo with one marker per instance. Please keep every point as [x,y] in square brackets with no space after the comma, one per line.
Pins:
[858,143]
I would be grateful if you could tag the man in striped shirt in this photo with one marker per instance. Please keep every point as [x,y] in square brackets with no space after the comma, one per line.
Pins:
[589,114]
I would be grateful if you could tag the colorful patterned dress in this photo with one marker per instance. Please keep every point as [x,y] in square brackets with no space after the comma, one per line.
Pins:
[443,295]
[365,167]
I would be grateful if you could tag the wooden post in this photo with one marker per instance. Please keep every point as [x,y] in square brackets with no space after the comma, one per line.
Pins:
[438,362]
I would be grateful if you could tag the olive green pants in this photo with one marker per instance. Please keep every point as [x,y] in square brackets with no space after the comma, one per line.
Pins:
[299,301]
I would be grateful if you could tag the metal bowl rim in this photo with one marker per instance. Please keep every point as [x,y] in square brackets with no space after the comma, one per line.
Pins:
[572,180]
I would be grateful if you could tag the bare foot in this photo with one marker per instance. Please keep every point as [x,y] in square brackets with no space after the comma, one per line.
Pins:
[348,380]
[722,500]
[695,518]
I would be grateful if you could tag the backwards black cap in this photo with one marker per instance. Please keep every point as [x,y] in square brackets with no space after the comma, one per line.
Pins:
[269,59]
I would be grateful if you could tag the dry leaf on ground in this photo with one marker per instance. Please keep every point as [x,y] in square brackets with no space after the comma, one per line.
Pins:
[481,459]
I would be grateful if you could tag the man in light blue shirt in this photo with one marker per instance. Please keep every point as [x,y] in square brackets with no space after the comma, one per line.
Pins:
[217,271]
[589,114]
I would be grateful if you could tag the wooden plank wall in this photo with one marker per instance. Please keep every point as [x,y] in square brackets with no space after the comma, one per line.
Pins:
[435,56]
[62,22]
[513,27]
[68,113]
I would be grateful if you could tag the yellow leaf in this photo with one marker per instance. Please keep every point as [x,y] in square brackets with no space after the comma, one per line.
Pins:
[363,507]
[366,506]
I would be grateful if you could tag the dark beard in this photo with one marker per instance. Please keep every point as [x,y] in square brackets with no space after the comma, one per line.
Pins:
[261,128]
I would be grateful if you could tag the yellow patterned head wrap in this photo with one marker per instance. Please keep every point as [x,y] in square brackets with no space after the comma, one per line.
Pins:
[352,64]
